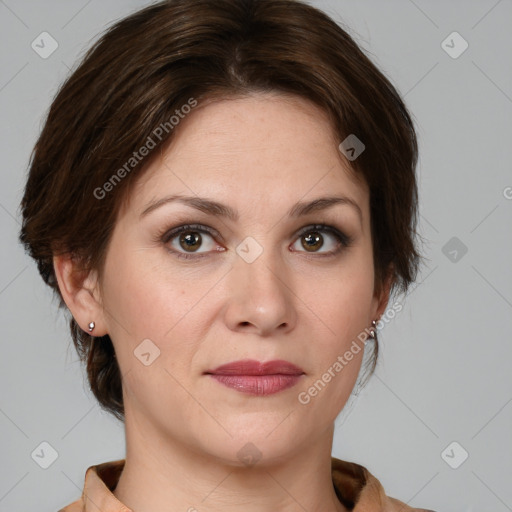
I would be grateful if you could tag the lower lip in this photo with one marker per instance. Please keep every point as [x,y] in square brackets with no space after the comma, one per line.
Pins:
[260,385]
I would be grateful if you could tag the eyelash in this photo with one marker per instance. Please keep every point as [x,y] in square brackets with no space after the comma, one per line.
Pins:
[167,235]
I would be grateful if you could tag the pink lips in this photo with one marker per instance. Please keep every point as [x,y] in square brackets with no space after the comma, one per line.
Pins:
[256,378]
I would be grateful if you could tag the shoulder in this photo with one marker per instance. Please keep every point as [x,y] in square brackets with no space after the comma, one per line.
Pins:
[373,492]
[100,480]
[76,506]
[362,491]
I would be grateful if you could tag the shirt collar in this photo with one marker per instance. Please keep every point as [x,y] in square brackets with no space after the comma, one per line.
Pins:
[355,486]
[100,481]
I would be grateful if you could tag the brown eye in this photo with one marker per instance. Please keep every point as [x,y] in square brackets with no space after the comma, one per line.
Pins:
[312,241]
[320,236]
[190,241]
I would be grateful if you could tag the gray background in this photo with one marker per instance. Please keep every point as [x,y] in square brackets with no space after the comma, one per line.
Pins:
[444,373]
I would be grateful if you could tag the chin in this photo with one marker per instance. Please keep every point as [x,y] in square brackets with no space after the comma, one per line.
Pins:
[253,445]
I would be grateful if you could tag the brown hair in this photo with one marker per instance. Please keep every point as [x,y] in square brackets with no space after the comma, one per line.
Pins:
[141,73]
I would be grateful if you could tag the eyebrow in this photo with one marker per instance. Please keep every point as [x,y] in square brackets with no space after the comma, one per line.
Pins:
[215,208]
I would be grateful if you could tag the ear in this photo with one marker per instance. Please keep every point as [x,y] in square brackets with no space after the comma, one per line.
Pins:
[81,293]
[381,298]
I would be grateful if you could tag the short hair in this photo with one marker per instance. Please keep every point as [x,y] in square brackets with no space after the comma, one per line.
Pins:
[145,69]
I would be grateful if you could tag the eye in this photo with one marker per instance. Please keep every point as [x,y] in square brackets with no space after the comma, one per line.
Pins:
[312,239]
[185,241]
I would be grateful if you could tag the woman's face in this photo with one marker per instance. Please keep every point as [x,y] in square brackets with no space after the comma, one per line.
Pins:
[262,283]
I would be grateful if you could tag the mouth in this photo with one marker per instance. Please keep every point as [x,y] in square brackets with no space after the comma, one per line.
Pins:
[257,378]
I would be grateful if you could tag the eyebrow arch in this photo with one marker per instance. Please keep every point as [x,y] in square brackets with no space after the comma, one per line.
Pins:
[323,203]
[221,210]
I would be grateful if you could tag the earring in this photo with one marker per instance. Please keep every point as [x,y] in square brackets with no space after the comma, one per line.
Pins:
[91,326]
[372,331]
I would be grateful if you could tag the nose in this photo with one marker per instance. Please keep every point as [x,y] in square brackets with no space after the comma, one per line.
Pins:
[261,298]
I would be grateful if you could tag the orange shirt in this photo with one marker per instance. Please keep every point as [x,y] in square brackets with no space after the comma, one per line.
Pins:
[355,487]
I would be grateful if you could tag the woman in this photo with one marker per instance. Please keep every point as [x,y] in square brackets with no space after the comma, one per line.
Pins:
[224,198]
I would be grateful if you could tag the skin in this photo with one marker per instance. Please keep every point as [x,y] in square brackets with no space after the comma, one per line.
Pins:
[259,154]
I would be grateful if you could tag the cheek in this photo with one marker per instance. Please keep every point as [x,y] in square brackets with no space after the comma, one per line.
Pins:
[339,306]
[154,302]
[341,300]
[147,298]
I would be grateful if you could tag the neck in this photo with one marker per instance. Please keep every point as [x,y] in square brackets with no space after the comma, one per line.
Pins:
[159,472]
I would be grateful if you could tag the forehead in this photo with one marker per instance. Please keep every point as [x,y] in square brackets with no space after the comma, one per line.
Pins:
[265,147]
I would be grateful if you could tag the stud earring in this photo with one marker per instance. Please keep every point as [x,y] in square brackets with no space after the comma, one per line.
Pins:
[372,331]
[91,326]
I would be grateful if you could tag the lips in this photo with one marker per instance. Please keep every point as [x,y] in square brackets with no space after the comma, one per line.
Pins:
[252,367]
[256,378]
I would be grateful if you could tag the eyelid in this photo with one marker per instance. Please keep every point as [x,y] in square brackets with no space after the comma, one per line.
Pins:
[345,239]
[168,234]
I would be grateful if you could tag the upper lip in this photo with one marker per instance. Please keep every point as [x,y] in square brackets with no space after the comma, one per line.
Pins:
[253,367]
